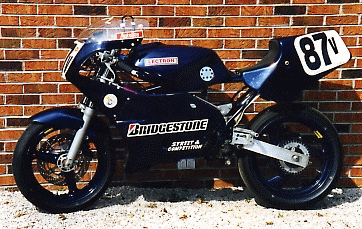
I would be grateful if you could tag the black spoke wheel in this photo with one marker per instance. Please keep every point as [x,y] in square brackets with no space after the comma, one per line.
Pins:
[41,177]
[283,185]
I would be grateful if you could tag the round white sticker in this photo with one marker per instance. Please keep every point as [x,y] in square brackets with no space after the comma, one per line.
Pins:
[110,100]
[206,73]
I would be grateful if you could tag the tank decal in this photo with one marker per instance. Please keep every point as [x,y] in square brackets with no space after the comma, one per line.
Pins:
[161,61]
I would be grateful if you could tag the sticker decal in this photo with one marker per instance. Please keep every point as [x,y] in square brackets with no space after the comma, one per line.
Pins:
[185,145]
[130,35]
[137,130]
[207,74]
[110,100]
[320,52]
[161,61]
[70,57]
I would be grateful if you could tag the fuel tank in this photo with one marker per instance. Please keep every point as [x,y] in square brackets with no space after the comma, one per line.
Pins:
[185,68]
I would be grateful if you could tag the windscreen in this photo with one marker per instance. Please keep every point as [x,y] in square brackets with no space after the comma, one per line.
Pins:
[110,29]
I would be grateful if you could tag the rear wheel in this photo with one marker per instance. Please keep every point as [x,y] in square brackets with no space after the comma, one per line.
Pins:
[280,184]
[37,166]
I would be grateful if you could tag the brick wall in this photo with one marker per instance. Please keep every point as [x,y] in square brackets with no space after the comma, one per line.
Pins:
[37,34]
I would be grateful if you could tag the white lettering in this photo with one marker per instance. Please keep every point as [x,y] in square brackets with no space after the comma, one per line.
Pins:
[136,129]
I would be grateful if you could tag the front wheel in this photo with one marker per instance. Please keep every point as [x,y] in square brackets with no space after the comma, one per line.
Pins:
[37,168]
[280,184]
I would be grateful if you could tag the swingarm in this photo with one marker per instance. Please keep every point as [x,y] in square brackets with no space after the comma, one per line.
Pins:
[246,138]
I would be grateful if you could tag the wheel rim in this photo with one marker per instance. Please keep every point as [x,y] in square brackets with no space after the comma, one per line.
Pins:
[69,187]
[287,181]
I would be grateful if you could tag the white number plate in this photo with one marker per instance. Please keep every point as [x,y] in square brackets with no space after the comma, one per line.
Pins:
[321,51]
[69,59]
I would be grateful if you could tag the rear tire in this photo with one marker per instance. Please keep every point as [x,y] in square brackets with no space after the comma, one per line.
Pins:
[50,188]
[282,185]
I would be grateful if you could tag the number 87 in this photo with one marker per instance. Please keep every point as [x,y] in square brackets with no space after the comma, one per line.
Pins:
[311,56]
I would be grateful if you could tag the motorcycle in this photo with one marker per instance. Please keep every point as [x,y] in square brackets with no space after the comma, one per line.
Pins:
[288,155]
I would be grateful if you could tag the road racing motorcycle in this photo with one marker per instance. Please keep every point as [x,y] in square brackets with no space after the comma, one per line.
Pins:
[156,95]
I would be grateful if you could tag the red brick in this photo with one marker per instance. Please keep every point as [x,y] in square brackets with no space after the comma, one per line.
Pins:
[55,32]
[227,33]
[72,21]
[11,110]
[11,88]
[10,134]
[240,2]
[224,10]
[160,33]
[190,33]
[55,9]
[336,84]
[39,43]
[22,99]
[41,65]
[206,2]
[323,9]
[256,32]
[342,20]
[139,2]
[352,9]
[36,20]
[68,88]
[209,43]
[124,10]
[158,10]
[228,54]
[307,20]
[7,180]
[352,30]
[18,9]
[18,32]
[307,1]
[240,21]
[350,95]
[24,77]
[21,54]
[58,99]
[191,11]
[208,22]
[240,43]
[268,21]
[256,10]
[40,88]
[284,32]
[54,54]
[9,20]
[320,95]
[173,2]
[10,43]
[52,77]
[32,110]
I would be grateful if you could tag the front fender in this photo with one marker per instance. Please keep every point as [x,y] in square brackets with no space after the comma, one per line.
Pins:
[69,118]
[60,117]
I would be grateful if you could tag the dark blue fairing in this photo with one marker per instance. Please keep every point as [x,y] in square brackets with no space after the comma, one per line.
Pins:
[279,76]
[69,117]
[62,117]
[183,75]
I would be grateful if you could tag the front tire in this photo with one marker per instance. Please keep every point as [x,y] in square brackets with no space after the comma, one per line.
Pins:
[45,184]
[282,185]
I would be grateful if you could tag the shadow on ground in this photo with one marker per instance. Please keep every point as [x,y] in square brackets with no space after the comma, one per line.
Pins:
[127,195]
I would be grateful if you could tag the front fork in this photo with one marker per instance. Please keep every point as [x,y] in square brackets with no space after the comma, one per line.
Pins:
[88,113]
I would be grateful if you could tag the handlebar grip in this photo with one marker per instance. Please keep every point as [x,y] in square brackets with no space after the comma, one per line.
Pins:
[125,67]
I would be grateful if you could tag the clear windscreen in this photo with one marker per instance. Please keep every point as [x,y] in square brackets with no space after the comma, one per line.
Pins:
[110,29]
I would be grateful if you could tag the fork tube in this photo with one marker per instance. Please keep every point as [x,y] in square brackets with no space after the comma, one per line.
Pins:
[79,136]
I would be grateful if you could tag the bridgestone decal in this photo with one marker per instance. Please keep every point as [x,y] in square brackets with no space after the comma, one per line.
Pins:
[136,129]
